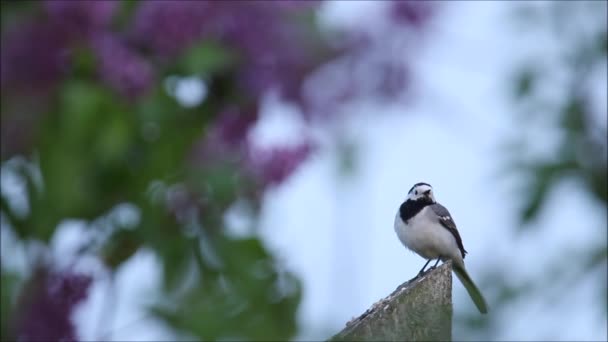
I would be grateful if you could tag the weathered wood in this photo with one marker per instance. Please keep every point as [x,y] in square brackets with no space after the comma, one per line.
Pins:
[418,310]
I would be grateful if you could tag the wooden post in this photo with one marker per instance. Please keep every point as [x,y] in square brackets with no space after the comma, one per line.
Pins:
[418,310]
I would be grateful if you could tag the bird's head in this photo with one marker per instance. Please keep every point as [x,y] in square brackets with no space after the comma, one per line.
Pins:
[421,192]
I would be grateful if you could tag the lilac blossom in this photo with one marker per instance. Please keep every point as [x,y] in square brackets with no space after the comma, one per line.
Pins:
[46,314]
[276,52]
[297,4]
[122,68]
[36,54]
[271,166]
[80,18]
[227,140]
[273,51]
[168,27]
[413,13]
[232,126]
[395,78]
[226,137]
[33,56]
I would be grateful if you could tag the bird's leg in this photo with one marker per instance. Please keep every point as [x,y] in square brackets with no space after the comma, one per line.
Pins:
[423,267]
[436,263]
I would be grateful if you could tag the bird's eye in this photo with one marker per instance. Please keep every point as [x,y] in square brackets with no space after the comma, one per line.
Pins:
[416,192]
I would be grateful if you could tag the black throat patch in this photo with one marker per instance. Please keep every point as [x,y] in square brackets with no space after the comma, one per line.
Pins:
[409,208]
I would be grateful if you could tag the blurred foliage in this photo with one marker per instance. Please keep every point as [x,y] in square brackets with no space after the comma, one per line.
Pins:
[582,148]
[574,71]
[88,147]
[95,122]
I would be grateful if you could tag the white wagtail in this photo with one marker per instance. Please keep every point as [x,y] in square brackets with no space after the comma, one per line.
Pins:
[427,228]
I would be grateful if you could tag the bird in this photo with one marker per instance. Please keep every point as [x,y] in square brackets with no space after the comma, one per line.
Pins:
[428,229]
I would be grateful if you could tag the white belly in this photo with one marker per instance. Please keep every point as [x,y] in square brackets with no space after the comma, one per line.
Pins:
[427,237]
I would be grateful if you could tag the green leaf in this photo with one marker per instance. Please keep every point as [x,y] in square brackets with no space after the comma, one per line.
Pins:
[249,299]
[120,247]
[573,116]
[83,61]
[206,58]
[524,83]
[10,283]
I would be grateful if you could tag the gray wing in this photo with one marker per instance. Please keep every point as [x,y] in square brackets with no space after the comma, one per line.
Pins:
[448,223]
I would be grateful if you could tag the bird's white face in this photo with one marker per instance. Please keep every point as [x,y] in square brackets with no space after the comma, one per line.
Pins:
[420,191]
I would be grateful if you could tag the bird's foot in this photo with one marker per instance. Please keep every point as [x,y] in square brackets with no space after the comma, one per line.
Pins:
[421,274]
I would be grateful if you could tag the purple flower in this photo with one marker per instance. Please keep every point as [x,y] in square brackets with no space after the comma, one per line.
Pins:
[167,27]
[297,4]
[274,165]
[227,141]
[77,18]
[33,56]
[413,13]
[274,51]
[232,126]
[121,68]
[48,305]
[227,136]
[395,78]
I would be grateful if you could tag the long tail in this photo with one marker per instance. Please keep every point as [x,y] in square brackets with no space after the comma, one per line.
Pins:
[473,291]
